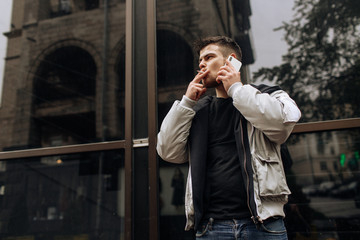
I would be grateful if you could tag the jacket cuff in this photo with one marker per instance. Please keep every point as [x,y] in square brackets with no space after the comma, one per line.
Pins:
[187,102]
[233,88]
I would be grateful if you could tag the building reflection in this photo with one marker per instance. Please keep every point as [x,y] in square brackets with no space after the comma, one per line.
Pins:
[324,180]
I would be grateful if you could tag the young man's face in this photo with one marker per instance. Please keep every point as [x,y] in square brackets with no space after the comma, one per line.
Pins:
[211,59]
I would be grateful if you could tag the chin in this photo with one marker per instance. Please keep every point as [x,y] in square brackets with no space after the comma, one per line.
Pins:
[211,84]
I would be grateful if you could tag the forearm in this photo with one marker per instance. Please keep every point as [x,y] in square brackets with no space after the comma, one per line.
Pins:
[174,132]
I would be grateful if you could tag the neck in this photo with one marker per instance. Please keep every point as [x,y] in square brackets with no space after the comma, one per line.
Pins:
[220,91]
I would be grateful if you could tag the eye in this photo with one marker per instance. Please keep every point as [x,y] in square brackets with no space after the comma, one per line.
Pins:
[206,58]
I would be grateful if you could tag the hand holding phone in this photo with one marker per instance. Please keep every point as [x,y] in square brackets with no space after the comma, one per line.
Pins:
[229,77]
[236,63]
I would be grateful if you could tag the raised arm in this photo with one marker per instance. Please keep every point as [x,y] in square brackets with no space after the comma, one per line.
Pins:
[175,129]
[274,114]
[174,132]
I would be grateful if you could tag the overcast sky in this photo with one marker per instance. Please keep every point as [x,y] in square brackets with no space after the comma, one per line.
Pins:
[269,45]
[5,15]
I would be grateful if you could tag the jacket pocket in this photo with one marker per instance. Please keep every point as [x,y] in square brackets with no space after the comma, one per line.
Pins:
[271,178]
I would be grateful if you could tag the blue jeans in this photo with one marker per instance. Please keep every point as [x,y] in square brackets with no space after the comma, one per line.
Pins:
[271,229]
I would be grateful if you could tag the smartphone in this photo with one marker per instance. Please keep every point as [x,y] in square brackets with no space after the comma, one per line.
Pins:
[236,63]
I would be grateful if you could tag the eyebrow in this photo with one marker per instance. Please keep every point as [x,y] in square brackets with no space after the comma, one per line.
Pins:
[210,53]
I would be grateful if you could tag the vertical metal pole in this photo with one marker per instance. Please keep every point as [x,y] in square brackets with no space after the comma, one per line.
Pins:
[152,123]
[128,118]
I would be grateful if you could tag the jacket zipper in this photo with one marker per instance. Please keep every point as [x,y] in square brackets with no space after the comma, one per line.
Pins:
[257,218]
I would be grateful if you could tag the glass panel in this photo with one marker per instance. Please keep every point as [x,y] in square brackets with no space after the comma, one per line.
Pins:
[313,55]
[172,180]
[325,183]
[64,76]
[140,194]
[179,24]
[63,197]
[139,81]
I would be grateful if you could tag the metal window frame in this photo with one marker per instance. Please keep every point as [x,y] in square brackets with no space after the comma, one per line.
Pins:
[128,117]
[152,120]
[330,125]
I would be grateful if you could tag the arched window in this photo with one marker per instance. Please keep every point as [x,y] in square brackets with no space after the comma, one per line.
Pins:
[68,72]
[64,98]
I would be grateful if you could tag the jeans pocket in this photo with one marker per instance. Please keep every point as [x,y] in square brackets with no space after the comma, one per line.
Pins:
[273,225]
[205,227]
[202,232]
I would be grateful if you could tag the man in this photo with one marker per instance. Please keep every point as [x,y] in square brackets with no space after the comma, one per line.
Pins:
[236,185]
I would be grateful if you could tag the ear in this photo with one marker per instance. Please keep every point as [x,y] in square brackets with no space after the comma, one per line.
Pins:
[233,55]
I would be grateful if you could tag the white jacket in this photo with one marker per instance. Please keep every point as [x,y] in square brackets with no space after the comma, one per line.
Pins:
[270,119]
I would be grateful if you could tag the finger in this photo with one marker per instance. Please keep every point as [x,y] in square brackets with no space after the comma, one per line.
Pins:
[200,93]
[195,90]
[197,85]
[222,76]
[222,72]
[200,76]
[229,64]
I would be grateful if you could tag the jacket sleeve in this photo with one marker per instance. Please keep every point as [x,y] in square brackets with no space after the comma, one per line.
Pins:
[274,114]
[174,131]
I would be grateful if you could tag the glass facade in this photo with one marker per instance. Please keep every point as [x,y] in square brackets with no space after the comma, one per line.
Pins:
[323,174]
[74,196]
[87,84]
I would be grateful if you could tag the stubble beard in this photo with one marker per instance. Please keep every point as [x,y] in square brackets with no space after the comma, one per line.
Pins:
[210,82]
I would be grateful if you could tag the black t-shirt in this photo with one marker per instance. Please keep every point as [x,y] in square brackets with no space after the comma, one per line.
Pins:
[225,195]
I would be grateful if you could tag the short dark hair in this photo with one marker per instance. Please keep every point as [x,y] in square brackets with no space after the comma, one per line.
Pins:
[228,45]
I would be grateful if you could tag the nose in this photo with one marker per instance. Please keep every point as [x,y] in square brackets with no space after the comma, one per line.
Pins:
[202,64]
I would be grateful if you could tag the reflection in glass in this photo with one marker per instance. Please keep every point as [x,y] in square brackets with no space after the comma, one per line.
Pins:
[64,79]
[64,197]
[321,66]
[172,179]
[175,69]
[325,183]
